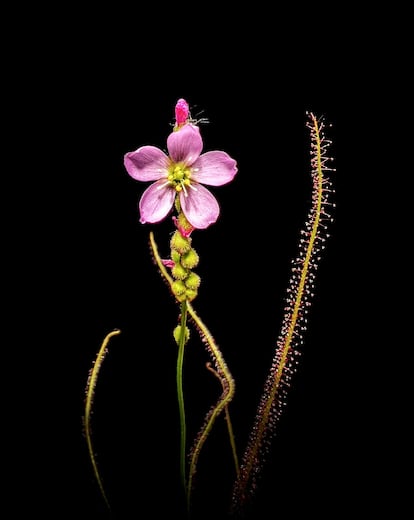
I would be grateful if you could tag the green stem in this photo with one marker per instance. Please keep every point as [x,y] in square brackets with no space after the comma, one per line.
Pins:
[180,393]
[232,441]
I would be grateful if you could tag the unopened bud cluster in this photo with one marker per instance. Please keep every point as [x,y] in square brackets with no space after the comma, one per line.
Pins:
[186,282]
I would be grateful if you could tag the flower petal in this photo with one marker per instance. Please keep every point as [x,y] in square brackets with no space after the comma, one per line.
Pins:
[148,163]
[156,202]
[214,168]
[185,145]
[199,206]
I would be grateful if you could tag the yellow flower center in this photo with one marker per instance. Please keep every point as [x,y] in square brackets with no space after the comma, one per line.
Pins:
[179,176]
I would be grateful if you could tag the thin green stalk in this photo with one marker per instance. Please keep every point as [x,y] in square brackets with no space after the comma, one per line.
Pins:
[232,441]
[180,394]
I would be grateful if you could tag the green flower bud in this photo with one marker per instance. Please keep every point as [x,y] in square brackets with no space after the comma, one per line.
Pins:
[178,288]
[193,281]
[179,272]
[190,259]
[183,222]
[175,256]
[190,294]
[180,243]
[177,334]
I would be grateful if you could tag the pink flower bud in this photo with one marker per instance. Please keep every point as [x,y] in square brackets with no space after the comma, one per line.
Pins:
[182,112]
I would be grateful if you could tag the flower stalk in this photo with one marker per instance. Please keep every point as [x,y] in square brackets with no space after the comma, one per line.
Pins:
[180,394]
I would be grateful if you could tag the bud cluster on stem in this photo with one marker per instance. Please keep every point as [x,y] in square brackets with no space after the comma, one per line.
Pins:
[183,260]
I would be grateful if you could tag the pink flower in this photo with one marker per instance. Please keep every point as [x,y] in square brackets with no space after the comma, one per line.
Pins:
[183,172]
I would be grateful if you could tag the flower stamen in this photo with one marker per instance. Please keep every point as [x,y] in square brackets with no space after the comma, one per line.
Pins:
[163,185]
[183,188]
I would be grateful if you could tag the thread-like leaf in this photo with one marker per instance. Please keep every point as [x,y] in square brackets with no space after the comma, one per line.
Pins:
[298,300]
[90,392]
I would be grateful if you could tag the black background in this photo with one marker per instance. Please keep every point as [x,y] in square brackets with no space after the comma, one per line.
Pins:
[86,89]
